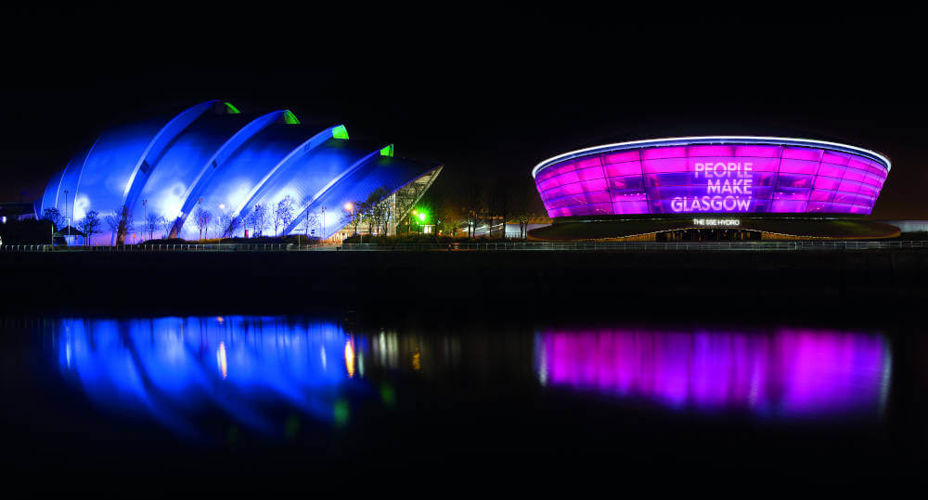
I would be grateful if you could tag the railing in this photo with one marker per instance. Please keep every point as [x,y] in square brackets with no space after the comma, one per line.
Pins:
[174,247]
[492,246]
[643,245]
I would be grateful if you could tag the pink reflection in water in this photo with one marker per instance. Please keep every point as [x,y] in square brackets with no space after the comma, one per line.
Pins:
[790,372]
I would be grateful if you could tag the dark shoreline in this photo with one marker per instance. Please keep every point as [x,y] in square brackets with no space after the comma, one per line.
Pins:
[494,284]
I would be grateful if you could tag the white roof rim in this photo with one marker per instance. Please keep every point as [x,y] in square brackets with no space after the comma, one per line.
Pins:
[715,139]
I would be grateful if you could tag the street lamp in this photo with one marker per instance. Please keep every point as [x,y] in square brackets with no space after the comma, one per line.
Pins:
[222,210]
[349,207]
[421,215]
[145,207]
[323,223]
[66,218]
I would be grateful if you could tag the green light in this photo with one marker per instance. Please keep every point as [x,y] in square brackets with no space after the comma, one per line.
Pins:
[422,216]
[340,412]
[232,109]
[387,151]
[388,395]
[291,426]
[340,132]
[290,118]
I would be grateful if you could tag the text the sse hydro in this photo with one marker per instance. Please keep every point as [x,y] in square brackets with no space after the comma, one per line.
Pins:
[767,179]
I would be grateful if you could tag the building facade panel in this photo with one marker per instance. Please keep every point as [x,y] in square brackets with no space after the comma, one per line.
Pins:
[712,175]
[307,178]
[177,168]
[108,167]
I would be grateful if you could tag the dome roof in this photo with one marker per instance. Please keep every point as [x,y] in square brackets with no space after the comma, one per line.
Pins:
[212,157]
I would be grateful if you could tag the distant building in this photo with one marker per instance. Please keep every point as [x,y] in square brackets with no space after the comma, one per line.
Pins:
[16,212]
[19,225]
[909,226]
[513,229]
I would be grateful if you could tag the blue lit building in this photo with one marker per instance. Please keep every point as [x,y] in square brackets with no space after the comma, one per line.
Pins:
[212,158]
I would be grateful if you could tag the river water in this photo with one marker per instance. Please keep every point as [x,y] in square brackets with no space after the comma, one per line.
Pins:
[327,402]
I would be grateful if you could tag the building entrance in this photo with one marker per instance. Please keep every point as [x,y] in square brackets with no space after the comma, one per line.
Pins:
[709,235]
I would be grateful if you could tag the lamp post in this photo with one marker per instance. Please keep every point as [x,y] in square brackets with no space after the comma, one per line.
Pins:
[222,211]
[323,223]
[145,210]
[423,219]
[66,218]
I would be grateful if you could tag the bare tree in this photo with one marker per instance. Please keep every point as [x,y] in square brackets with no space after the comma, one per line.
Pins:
[166,226]
[219,222]
[385,213]
[348,219]
[523,224]
[90,224]
[471,206]
[310,223]
[377,211]
[202,219]
[283,214]
[355,214]
[113,221]
[365,214]
[257,219]
[447,217]
[522,208]
[231,225]
[152,222]
[52,215]
[120,223]
[250,219]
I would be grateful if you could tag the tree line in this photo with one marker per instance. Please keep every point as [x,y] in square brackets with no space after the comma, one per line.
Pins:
[467,208]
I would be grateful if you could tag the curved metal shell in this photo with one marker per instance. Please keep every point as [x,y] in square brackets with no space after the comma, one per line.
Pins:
[211,157]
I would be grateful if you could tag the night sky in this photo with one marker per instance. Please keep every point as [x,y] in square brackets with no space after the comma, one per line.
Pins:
[488,91]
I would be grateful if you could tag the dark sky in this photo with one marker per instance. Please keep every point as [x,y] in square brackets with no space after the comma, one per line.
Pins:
[486,90]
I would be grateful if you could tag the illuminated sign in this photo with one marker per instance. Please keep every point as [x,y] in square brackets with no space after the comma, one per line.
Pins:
[716,222]
[708,175]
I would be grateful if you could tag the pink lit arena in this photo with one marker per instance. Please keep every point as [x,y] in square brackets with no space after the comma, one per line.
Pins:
[700,175]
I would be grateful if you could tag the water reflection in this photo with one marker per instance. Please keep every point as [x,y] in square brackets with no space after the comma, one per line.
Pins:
[266,373]
[780,373]
[176,369]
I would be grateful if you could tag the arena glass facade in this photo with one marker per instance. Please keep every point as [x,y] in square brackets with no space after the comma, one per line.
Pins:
[712,176]
[214,157]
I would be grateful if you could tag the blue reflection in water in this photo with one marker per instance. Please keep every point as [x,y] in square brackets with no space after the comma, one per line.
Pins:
[175,369]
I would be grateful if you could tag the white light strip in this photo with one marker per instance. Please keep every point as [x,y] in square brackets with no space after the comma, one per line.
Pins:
[713,139]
